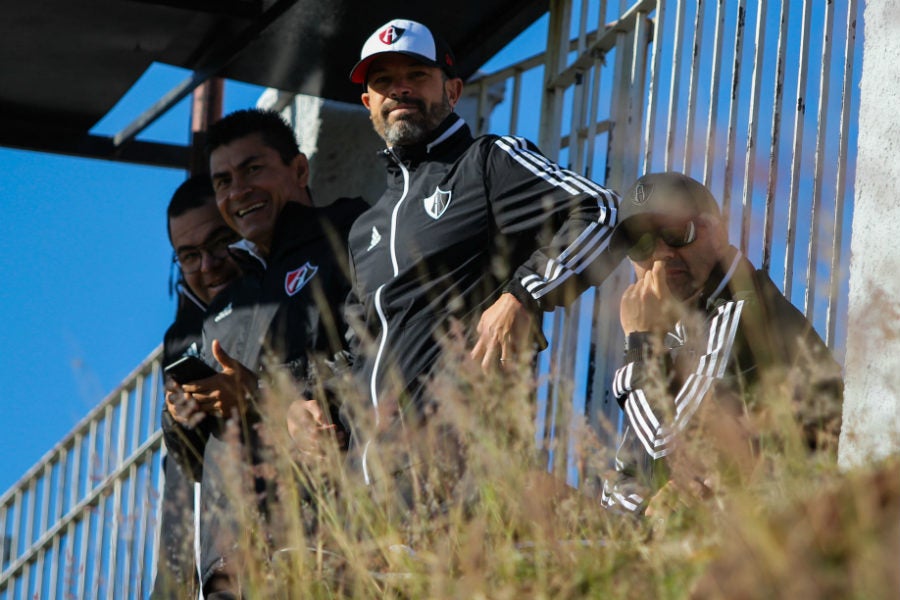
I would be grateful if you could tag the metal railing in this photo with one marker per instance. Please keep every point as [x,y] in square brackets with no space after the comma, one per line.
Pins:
[82,522]
[657,85]
[625,89]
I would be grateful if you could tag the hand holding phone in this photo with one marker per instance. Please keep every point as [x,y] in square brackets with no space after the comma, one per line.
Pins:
[189,368]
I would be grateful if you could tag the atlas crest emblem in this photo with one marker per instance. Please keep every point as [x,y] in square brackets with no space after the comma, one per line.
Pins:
[390,34]
[296,279]
[437,203]
[642,194]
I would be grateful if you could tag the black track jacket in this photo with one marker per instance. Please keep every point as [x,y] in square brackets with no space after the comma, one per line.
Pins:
[287,303]
[463,220]
[750,337]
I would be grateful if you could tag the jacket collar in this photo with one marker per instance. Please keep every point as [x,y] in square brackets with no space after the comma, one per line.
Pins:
[726,280]
[448,134]
[296,225]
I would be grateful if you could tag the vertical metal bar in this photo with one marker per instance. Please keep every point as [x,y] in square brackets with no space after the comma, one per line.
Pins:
[137,436]
[674,85]
[133,513]
[86,512]
[38,573]
[815,218]
[62,486]
[76,471]
[753,125]
[557,48]
[98,550]
[117,516]
[615,177]
[83,553]
[549,141]
[653,92]
[4,514]
[55,561]
[68,555]
[733,109]
[102,457]
[712,116]
[158,508]
[799,114]
[575,122]
[840,187]
[516,99]
[28,535]
[582,28]
[591,140]
[553,387]
[42,524]
[692,89]
[45,497]
[482,125]
[156,394]
[122,431]
[775,136]
[16,525]
[635,111]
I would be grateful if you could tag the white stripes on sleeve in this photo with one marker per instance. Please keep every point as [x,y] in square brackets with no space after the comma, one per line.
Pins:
[590,243]
[656,436]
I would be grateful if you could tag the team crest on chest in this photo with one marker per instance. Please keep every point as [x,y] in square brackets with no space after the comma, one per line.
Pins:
[437,203]
[296,279]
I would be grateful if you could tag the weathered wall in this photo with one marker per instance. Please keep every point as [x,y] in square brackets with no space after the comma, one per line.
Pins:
[871,427]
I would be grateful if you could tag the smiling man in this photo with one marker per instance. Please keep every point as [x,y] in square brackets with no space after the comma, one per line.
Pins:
[486,231]
[705,331]
[281,316]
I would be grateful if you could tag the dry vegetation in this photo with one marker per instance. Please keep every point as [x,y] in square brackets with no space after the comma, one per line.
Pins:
[777,525]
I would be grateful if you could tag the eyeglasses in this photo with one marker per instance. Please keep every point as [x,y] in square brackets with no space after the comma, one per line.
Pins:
[191,259]
[643,244]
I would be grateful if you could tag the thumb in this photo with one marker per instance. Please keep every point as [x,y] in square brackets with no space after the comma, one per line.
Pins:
[223,357]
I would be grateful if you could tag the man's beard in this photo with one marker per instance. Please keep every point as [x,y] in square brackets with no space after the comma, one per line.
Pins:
[414,127]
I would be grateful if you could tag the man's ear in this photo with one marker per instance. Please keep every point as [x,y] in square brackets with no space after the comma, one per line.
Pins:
[453,88]
[300,164]
[365,99]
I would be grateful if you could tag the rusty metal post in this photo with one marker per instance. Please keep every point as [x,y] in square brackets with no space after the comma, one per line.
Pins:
[206,109]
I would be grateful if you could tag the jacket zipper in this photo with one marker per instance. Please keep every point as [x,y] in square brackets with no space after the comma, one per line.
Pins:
[373,383]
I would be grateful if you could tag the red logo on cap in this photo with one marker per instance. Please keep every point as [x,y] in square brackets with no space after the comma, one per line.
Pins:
[390,34]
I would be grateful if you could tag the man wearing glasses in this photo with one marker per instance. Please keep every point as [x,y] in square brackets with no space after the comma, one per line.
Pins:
[706,334]
[200,240]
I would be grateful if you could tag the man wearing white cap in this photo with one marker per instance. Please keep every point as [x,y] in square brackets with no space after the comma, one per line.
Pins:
[484,231]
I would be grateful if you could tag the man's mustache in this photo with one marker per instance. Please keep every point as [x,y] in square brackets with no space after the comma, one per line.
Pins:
[407,102]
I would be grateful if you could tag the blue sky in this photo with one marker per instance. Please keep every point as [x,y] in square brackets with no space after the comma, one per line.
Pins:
[85,264]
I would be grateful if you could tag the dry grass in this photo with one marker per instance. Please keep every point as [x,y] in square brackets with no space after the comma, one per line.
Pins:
[777,524]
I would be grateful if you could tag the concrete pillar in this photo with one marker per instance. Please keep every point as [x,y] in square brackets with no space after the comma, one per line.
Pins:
[338,139]
[871,425]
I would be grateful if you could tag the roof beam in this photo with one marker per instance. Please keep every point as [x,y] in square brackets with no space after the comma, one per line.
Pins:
[101,147]
[243,9]
[219,58]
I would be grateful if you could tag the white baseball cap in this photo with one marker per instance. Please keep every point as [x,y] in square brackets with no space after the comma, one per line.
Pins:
[405,37]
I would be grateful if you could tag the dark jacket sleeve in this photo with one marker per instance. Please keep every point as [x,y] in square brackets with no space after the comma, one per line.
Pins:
[184,446]
[575,216]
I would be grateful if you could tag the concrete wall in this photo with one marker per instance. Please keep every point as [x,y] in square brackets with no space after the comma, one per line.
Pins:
[871,427]
[338,139]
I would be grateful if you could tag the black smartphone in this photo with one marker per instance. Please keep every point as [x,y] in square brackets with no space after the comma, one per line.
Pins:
[189,368]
